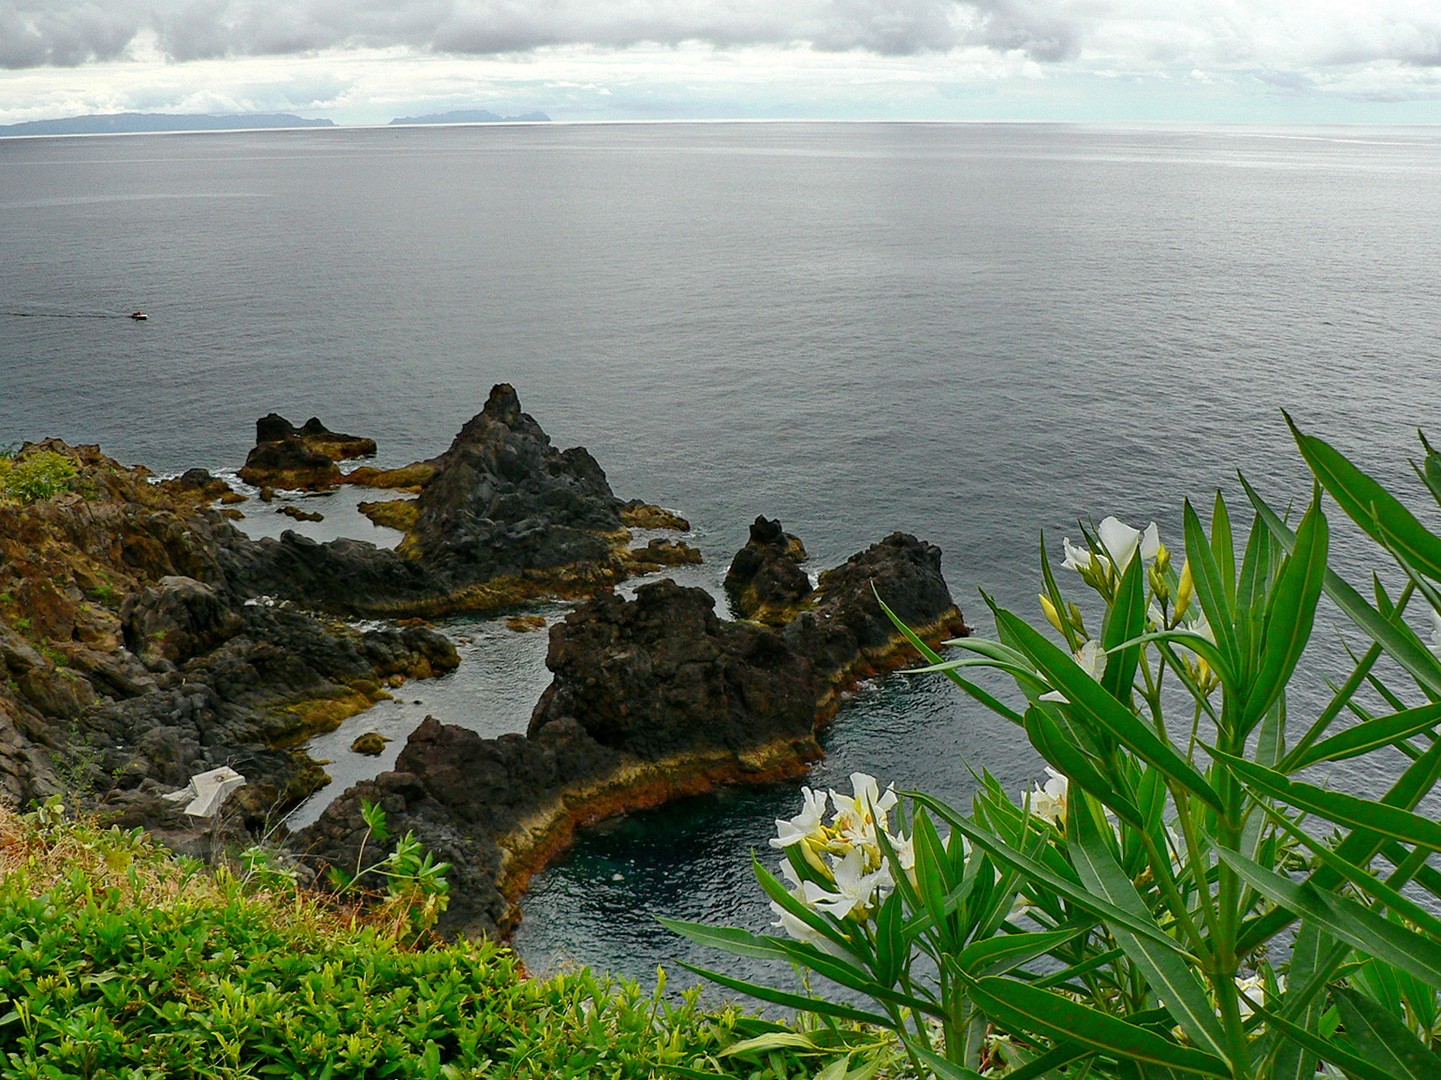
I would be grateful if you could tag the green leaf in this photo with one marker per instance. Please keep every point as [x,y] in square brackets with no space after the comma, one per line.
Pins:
[1095,704]
[946,1070]
[1336,1051]
[1061,752]
[1172,980]
[1370,505]
[1372,735]
[1337,806]
[1383,1038]
[819,1006]
[1042,1012]
[997,955]
[1223,547]
[1040,874]
[1290,612]
[731,939]
[1125,619]
[1214,592]
[1399,642]
[1302,1002]
[1354,924]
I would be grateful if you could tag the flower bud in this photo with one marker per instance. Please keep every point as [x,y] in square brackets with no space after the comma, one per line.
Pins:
[1075,618]
[1185,590]
[1052,615]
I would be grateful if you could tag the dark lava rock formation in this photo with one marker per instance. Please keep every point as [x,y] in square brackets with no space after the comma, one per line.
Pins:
[765,581]
[286,456]
[652,698]
[505,517]
[128,664]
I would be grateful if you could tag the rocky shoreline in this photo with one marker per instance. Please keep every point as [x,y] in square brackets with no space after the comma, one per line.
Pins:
[144,639]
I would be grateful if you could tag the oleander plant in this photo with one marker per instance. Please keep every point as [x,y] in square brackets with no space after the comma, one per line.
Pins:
[1190,892]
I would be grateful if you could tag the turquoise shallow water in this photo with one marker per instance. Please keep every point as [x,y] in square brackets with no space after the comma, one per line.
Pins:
[971,332]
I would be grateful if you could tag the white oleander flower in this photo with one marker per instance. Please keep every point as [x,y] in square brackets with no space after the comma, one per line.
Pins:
[804,826]
[1122,542]
[1083,559]
[858,816]
[1092,660]
[1049,802]
[1253,993]
[1436,633]
[856,893]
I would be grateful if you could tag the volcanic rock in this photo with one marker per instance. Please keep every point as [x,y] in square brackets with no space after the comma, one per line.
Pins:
[652,698]
[127,664]
[505,518]
[765,581]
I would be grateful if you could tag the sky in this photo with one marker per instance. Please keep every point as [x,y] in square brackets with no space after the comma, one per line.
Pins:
[367,61]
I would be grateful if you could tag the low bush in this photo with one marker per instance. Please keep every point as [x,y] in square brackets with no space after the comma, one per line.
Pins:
[119,960]
[36,475]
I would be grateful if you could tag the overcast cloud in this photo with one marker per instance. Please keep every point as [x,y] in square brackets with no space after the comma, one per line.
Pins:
[71,32]
[1374,50]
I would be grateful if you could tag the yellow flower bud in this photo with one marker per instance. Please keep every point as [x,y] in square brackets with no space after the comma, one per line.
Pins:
[1052,615]
[1185,591]
[1163,558]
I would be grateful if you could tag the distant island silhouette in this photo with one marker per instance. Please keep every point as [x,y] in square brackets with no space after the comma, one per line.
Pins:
[121,123]
[472,116]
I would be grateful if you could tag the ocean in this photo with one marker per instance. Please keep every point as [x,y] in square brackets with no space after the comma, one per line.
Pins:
[974,333]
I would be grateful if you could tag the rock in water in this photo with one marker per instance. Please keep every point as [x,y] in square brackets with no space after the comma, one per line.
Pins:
[504,501]
[662,675]
[765,581]
[652,698]
[303,458]
[505,518]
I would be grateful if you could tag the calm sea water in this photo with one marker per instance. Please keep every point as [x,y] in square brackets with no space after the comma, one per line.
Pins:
[973,333]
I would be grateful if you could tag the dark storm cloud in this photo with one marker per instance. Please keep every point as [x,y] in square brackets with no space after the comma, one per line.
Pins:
[71,32]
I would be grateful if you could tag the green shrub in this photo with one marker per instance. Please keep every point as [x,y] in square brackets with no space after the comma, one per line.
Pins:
[35,476]
[118,960]
[1181,896]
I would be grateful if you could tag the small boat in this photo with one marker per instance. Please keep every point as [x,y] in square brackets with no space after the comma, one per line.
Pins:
[139,316]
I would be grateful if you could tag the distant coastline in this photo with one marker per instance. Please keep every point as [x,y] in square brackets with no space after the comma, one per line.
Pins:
[473,116]
[133,123]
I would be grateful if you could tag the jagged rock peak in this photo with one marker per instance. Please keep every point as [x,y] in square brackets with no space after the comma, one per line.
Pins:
[503,405]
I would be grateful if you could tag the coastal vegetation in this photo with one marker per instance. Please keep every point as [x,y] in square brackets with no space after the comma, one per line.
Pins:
[119,959]
[1187,894]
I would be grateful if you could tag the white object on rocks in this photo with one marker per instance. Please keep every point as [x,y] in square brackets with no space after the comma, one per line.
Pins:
[207,791]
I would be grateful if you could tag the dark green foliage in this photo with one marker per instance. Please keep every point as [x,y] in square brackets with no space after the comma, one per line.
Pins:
[116,961]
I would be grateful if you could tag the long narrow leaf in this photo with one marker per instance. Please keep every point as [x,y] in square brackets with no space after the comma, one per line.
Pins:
[1372,735]
[1087,695]
[1046,737]
[1173,981]
[1337,806]
[1404,647]
[1215,592]
[1382,1037]
[1354,924]
[820,1006]
[1370,505]
[1336,1051]
[1043,1012]
[1290,612]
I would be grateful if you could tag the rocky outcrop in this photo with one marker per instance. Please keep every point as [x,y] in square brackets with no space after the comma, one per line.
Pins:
[765,581]
[504,518]
[652,698]
[304,458]
[662,552]
[391,513]
[127,664]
